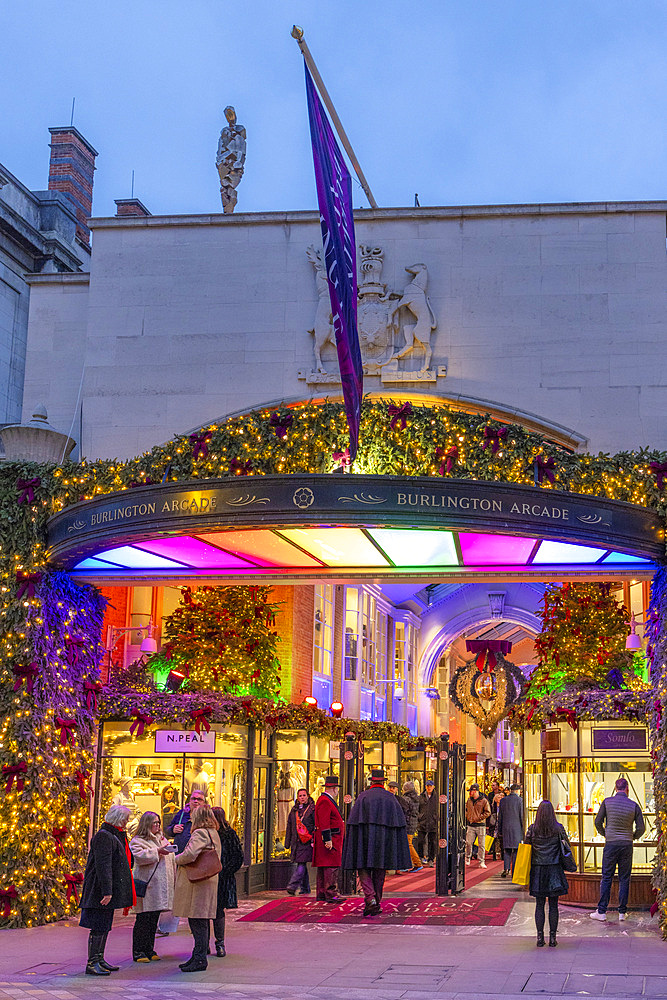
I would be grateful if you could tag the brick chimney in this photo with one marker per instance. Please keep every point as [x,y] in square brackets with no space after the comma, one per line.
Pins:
[131,208]
[71,171]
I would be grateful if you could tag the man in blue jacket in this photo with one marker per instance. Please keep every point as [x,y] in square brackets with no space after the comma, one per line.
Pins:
[619,821]
[180,827]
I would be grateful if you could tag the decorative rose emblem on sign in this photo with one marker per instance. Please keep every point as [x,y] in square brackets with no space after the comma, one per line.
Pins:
[442,799]
[303,498]
[443,755]
[348,755]
[347,799]
[442,843]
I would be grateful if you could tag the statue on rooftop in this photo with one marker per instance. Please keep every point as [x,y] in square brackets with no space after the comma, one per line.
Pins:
[230,160]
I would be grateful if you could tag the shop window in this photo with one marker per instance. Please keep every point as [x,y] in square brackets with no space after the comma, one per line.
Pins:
[133,774]
[405,658]
[351,633]
[323,630]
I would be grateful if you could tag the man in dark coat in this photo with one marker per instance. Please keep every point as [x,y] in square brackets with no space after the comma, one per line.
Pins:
[510,827]
[427,824]
[376,840]
[328,842]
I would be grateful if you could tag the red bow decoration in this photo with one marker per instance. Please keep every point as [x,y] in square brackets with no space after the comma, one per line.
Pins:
[26,488]
[6,897]
[141,720]
[73,648]
[200,716]
[281,424]
[239,468]
[199,444]
[544,468]
[450,458]
[72,882]
[251,645]
[27,583]
[658,713]
[660,469]
[399,414]
[533,702]
[67,727]
[492,436]
[84,788]
[488,648]
[92,689]
[11,772]
[27,674]
[133,483]
[59,833]
[342,458]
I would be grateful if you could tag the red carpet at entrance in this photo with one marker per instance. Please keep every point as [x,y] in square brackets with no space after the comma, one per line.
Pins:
[424,881]
[446,911]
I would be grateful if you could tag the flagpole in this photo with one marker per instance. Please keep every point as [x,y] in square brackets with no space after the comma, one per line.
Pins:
[297,33]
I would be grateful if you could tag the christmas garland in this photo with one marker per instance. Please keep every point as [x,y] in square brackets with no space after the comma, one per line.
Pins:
[571,704]
[656,634]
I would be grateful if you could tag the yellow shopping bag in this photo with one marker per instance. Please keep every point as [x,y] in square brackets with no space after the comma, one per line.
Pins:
[488,842]
[522,866]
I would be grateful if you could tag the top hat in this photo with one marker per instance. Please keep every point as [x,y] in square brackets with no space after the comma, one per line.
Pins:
[331,781]
[377,774]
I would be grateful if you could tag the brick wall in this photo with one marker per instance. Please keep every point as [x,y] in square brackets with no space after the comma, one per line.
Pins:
[131,208]
[71,171]
[294,625]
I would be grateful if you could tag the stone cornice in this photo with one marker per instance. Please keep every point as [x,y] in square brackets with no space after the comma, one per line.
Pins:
[382,214]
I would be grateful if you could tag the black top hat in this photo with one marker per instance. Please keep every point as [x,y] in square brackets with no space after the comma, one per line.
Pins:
[377,774]
[331,781]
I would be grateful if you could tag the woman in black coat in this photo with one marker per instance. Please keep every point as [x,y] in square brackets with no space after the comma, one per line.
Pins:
[231,857]
[547,875]
[107,886]
[301,854]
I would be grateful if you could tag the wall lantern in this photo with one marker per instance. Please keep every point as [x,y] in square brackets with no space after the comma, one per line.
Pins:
[336,709]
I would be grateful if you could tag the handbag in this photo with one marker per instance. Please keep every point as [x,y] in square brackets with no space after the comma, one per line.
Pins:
[206,864]
[141,884]
[566,856]
[304,835]
[521,874]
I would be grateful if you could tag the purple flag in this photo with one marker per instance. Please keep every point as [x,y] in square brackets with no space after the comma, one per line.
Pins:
[334,196]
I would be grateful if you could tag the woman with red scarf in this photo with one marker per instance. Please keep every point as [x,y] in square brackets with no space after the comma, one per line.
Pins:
[107,886]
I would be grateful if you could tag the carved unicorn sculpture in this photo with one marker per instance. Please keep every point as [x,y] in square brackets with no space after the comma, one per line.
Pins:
[415,300]
[322,329]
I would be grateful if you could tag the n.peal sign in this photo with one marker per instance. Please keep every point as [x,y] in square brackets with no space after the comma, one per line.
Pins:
[177,741]
[619,739]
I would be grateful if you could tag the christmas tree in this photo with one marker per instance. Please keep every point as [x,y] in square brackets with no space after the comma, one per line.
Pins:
[582,640]
[223,639]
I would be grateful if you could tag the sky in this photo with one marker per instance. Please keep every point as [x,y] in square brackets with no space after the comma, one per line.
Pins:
[463,102]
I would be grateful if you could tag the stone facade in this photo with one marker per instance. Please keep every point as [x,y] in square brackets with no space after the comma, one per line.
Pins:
[37,236]
[551,314]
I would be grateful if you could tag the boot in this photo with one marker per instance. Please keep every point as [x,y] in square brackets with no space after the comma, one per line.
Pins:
[103,961]
[370,907]
[552,939]
[540,939]
[95,949]
[220,949]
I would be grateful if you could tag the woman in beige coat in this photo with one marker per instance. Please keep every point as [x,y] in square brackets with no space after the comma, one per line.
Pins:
[198,901]
[153,858]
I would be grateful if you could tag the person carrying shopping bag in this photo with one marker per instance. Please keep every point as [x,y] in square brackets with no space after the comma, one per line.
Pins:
[196,891]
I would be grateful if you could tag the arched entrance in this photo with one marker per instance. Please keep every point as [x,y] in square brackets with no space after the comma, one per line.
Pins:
[434,539]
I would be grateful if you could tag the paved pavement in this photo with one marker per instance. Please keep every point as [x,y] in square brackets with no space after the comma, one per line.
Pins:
[342,962]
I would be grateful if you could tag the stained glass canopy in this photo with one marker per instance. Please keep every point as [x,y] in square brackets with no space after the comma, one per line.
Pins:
[352,526]
[337,548]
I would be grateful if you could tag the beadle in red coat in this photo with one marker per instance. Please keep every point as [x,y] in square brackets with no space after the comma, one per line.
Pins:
[329,828]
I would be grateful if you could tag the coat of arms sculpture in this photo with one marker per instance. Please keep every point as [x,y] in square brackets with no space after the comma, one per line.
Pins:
[393,326]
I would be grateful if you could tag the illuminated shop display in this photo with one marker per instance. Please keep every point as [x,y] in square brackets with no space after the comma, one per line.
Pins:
[579,768]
